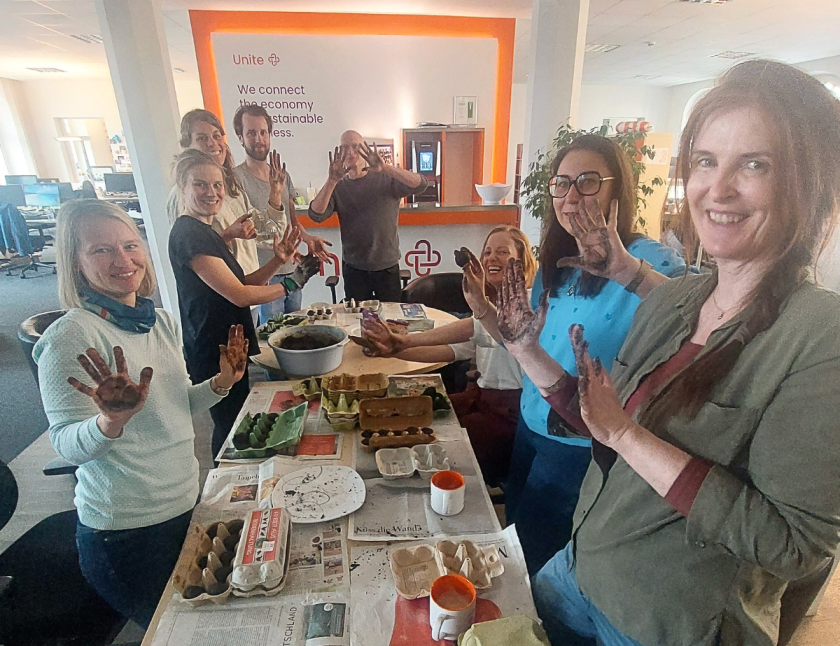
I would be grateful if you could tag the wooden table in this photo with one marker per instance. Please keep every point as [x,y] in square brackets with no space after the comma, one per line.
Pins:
[355,362]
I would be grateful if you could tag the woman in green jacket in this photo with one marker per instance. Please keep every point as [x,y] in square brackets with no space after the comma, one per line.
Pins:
[716,456]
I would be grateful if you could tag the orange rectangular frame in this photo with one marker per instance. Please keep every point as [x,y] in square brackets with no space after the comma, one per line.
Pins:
[205,23]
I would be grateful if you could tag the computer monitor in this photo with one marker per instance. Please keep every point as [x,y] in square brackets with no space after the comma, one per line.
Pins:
[120,183]
[21,179]
[65,192]
[41,195]
[48,180]
[12,194]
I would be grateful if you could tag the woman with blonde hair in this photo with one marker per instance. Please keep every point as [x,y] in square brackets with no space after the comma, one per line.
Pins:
[131,438]
[213,290]
[488,410]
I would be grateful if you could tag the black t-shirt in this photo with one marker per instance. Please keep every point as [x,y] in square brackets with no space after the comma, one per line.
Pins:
[206,315]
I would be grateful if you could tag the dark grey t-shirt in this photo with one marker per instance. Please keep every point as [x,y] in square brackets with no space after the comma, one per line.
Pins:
[368,213]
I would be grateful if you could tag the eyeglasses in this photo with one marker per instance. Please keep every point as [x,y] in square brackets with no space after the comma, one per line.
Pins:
[588,183]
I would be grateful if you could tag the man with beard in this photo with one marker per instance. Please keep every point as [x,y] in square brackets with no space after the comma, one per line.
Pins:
[252,124]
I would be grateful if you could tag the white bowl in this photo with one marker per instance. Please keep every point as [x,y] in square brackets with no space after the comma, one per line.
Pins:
[308,363]
[493,193]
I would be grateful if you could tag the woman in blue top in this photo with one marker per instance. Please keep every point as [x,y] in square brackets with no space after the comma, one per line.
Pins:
[590,177]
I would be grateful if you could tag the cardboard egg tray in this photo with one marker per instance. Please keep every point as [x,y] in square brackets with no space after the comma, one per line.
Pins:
[204,575]
[266,433]
[415,568]
[395,413]
[412,436]
[342,416]
[355,388]
[426,459]
[262,557]
[309,389]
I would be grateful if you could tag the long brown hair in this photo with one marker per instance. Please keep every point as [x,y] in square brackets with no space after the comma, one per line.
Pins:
[232,185]
[557,243]
[807,121]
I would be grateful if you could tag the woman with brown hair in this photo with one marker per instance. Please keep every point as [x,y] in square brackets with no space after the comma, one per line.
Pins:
[715,449]
[489,409]
[591,179]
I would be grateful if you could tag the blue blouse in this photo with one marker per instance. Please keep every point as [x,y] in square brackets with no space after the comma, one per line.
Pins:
[605,317]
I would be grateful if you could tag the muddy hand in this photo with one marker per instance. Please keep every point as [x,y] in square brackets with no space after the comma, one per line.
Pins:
[519,325]
[115,395]
[600,406]
[233,357]
[601,251]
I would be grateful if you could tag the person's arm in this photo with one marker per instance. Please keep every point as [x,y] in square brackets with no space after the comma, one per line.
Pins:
[323,206]
[382,342]
[428,354]
[779,516]
[218,276]
[315,245]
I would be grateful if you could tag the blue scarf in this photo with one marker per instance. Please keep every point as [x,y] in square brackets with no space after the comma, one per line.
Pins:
[140,318]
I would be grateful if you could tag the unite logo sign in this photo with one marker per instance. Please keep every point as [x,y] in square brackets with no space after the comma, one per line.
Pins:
[422,258]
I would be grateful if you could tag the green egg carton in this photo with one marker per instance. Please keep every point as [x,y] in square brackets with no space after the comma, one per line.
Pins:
[267,433]
[441,406]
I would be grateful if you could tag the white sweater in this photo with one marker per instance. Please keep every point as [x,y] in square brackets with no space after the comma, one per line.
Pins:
[148,474]
[499,370]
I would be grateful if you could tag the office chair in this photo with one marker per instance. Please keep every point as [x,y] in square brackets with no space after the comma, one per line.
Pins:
[28,334]
[44,598]
[444,292]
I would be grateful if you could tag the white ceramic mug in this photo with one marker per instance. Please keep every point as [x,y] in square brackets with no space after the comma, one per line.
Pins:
[451,606]
[447,493]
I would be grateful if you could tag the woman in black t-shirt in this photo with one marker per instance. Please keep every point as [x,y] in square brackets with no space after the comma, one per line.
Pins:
[213,291]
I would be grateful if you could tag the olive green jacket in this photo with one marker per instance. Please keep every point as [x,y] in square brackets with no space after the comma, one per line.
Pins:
[767,513]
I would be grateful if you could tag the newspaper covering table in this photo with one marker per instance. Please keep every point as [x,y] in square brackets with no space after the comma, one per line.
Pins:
[339,591]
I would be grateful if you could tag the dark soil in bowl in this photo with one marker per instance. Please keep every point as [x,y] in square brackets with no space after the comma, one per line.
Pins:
[305,342]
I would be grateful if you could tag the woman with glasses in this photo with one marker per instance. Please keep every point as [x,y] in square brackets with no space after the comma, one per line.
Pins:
[591,180]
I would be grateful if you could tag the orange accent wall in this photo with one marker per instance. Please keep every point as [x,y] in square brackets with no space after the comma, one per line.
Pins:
[204,23]
[439,216]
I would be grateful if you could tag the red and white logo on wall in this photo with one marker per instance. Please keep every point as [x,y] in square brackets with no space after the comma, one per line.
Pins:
[422,258]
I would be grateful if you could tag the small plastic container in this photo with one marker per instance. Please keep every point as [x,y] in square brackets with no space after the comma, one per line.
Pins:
[394,464]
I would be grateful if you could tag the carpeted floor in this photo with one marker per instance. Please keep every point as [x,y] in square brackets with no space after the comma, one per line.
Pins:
[22,415]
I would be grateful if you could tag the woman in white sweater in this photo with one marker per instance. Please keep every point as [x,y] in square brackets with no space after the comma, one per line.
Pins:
[132,440]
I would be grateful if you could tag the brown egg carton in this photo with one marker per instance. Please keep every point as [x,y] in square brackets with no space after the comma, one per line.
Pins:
[412,436]
[395,413]
[203,573]
[355,388]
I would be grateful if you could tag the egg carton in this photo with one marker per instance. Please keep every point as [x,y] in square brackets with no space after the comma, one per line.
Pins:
[415,568]
[426,459]
[309,389]
[262,556]
[395,413]
[355,387]
[320,314]
[342,416]
[204,576]
[352,307]
[384,439]
[267,433]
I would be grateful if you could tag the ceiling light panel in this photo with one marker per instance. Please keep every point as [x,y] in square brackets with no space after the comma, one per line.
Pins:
[732,55]
[91,39]
[47,70]
[599,48]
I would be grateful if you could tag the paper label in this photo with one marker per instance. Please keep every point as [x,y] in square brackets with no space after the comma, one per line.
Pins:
[263,531]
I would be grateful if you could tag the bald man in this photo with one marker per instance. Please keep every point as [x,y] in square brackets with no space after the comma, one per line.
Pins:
[365,192]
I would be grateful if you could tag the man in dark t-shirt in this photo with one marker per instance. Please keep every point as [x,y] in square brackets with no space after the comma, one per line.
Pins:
[365,192]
